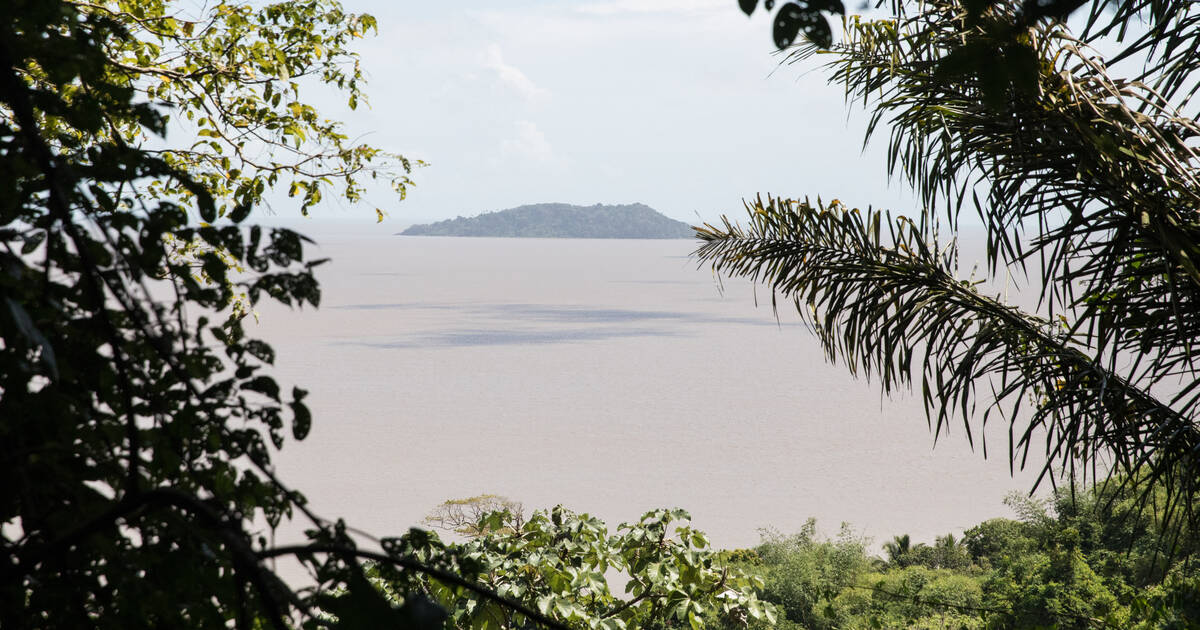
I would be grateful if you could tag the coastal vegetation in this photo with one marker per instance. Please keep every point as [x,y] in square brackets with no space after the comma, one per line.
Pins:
[561,220]
[1077,559]
[1082,561]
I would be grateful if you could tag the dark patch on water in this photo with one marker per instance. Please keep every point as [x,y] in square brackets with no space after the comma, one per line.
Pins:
[499,337]
[535,324]
[683,282]
[565,314]
[392,306]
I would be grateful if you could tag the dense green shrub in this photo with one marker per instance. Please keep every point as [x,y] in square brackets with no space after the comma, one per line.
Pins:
[1085,558]
[804,574]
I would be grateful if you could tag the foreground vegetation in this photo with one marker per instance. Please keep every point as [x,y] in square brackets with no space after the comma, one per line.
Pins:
[656,572]
[1088,559]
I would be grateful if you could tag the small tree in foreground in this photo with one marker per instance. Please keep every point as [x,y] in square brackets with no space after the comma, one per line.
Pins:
[466,516]
[565,565]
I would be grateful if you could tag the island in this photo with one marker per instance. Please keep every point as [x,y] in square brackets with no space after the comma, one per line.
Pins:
[561,220]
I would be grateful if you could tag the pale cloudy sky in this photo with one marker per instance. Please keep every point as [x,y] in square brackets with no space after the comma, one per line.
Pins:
[679,104]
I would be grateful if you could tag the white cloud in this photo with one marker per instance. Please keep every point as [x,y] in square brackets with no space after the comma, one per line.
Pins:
[512,76]
[529,143]
[528,147]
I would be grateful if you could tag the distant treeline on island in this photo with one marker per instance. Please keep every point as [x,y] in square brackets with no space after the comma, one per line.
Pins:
[561,220]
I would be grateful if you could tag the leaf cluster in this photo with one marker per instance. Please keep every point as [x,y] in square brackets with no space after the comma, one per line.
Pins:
[234,76]
[796,17]
[564,565]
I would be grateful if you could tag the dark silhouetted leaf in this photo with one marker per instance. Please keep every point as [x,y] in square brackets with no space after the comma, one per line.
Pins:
[264,385]
[32,241]
[24,324]
[794,18]
[240,212]
[302,420]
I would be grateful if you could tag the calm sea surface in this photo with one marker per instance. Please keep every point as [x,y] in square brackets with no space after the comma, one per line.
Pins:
[612,376]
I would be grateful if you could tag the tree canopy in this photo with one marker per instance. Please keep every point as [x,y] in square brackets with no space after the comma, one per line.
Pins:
[236,78]
[1075,560]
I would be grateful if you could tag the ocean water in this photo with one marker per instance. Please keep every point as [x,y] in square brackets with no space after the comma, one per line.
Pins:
[612,376]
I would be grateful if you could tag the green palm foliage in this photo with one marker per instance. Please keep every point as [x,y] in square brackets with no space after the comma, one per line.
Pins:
[897,549]
[1085,183]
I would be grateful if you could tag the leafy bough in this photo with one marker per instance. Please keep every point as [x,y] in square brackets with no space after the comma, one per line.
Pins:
[560,563]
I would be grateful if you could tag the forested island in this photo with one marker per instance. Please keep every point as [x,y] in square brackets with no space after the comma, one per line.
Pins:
[562,220]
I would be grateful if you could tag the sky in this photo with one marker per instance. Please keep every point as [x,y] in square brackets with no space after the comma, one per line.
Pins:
[679,104]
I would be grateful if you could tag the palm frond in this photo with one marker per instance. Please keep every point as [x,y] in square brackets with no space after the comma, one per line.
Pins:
[882,296]
[1093,179]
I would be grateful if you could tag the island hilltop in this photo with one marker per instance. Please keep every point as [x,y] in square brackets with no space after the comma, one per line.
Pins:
[561,220]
